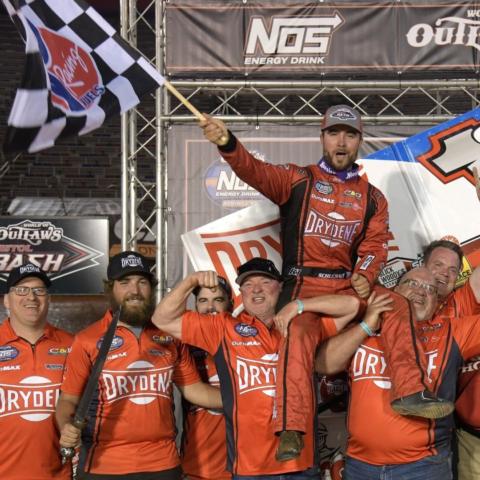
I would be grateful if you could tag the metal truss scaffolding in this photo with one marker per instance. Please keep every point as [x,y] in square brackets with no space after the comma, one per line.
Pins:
[144,131]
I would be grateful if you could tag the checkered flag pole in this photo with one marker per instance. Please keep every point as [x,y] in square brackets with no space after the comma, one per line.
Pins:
[78,72]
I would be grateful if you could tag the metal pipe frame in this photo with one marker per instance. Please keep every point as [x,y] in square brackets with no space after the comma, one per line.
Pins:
[381,102]
[162,105]
[124,140]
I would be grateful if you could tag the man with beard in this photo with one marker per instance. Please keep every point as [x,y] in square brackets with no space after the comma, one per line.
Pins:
[334,237]
[130,432]
[330,215]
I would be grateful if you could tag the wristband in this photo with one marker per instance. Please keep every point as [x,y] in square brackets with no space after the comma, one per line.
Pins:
[367,329]
[300,306]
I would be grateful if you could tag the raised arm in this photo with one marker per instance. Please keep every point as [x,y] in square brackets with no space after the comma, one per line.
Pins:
[273,181]
[342,308]
[334,355]
[475,276]
[168,314]
[214,130]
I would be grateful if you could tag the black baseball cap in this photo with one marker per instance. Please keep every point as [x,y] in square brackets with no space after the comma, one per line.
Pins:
[342,115]
[128,263]
[24,271]
[257,266]
[224,285]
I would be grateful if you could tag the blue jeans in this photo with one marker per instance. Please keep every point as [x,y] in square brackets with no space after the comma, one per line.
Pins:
[305,475]
[436,467]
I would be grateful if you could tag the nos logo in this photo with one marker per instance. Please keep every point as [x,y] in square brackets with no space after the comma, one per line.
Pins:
[292,35]
[454,151]
[75,82]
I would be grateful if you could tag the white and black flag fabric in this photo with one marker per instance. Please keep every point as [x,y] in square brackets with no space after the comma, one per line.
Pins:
[78,72]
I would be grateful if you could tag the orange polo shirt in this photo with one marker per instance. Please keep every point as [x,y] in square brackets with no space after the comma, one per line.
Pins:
[204,447]
[246,354]
[30,379]
[131,424]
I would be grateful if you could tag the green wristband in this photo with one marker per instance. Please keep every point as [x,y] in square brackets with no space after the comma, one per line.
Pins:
[367,329]
[300,306]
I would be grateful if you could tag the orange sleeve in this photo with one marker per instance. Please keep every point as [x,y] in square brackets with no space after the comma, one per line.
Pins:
[77,369]
[329,327]
[185,370]
[373,250]
[466,302]
[204,331]
[466,331]
[273,181]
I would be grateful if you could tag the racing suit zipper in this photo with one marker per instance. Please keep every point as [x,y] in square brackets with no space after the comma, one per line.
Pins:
[34,356]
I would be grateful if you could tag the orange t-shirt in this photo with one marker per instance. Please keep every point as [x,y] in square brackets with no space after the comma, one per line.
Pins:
[460,302]
[378,435]
[204,448]
[131,426]
[30,379]
[246,355]
[463,302]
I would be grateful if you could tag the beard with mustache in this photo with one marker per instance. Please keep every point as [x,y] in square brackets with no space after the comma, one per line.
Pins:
[351,160]
[135,316]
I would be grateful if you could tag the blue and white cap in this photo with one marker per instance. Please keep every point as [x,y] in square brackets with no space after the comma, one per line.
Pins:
[128,263]
[24,271]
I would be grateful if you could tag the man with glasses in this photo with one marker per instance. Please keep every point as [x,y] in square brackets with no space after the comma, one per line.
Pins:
[32,358]
[380,441]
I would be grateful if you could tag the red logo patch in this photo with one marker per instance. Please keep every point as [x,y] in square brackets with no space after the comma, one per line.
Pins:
[76,84]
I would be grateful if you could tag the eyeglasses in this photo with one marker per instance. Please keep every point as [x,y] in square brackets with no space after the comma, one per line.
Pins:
[23,291]
[430,289]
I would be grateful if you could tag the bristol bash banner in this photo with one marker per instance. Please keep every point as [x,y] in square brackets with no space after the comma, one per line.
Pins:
[73,251]
[334,38]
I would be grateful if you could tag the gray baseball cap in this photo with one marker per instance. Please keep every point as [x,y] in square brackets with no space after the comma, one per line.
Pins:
[342,115]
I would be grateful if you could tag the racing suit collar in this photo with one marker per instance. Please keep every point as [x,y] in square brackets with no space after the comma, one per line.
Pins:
[343,175]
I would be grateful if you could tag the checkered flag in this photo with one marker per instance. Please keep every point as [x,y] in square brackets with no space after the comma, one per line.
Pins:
[78,72]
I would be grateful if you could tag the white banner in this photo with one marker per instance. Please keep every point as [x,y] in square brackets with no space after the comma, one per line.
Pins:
[226,243]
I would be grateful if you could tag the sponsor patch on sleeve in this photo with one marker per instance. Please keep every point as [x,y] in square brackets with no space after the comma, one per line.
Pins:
[367,261]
